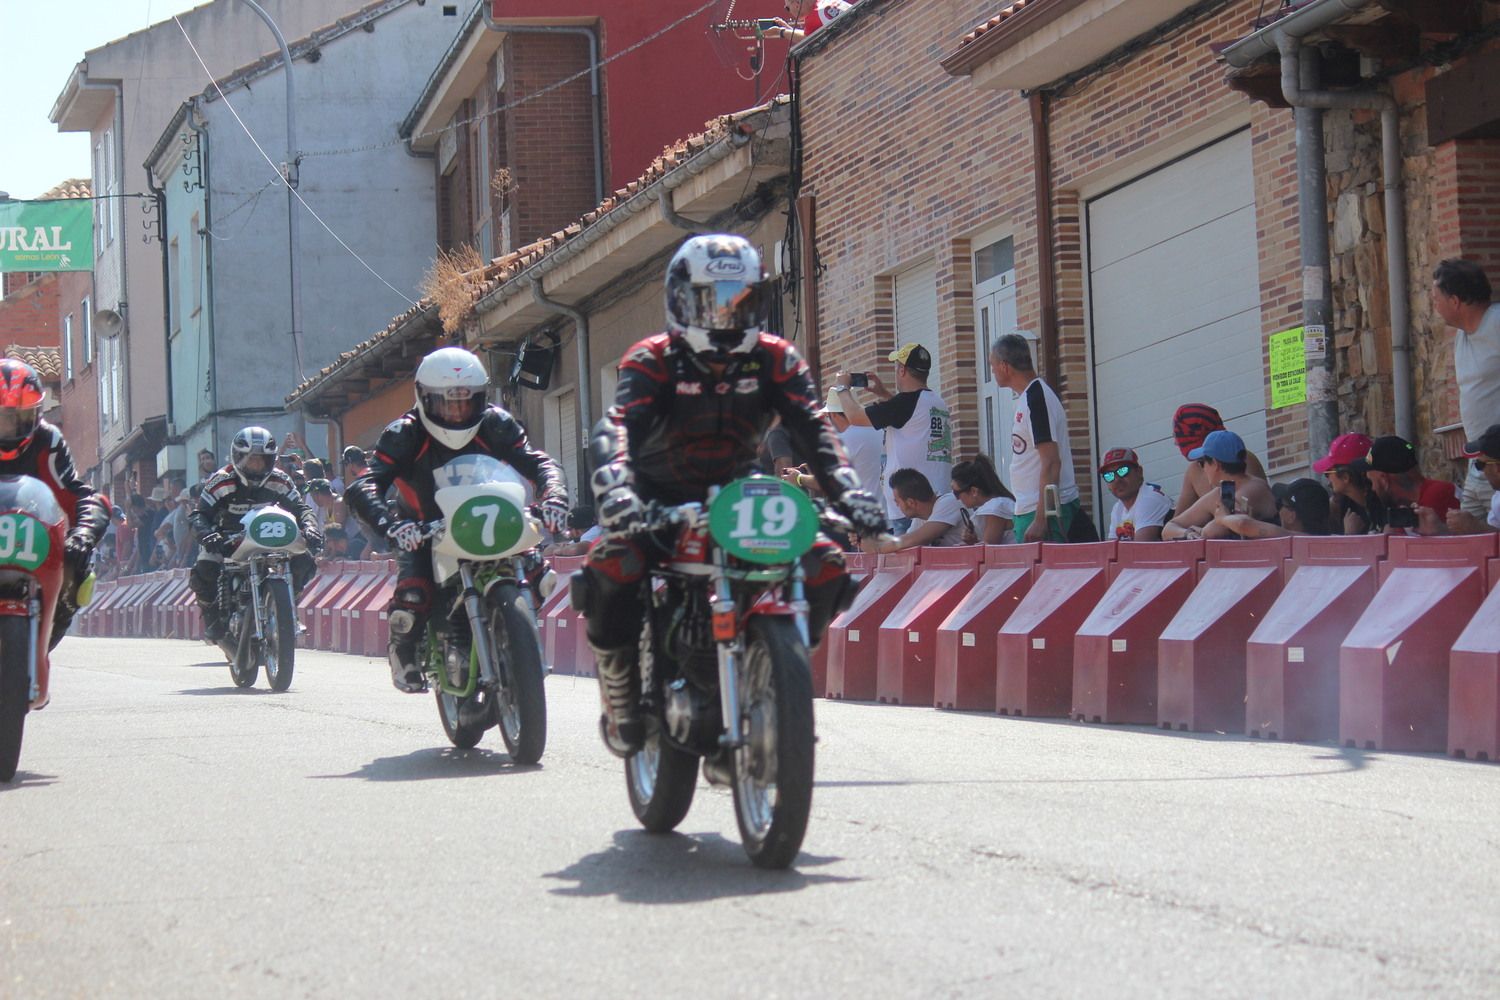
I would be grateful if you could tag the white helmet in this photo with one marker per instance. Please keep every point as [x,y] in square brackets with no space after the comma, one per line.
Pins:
[253,455]
[452,393]
[716,295]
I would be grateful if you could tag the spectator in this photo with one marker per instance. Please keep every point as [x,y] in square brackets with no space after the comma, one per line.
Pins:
[314,468]
[776,454]
[1302,508]
[977,486]
[818,13]
[1413,503]
[1190,425]
[580,533]
[1141,508]
[1461,295]
[146,519]
[1485,453]
[935,519]
[352,465]
[916,421]
[1356,508]
[865,445]
[125,558]
[335,542]
[1222,456]
[326,504]
[1039,440]
[207,466]
[176,533]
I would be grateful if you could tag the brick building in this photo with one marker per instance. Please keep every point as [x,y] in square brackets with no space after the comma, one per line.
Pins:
[944,143]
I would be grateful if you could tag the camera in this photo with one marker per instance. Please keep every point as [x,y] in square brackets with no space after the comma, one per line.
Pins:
[859,380]
[1403,517]
[1226,495]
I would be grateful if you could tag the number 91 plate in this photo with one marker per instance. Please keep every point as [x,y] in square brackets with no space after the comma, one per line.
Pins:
[763,520]
[23,541]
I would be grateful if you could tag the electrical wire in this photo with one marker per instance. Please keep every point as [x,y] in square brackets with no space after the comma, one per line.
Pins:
[501,109]
[276,170]
[253,201]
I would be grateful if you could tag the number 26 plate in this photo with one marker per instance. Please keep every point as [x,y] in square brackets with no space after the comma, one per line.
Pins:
[763,520]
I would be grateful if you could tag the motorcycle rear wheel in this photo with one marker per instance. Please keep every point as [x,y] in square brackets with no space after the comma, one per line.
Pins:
[660,780]
[521,709]
[279,642]
[15,691]
[773,779]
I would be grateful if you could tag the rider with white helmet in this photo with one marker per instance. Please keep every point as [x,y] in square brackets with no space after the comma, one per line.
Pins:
[452,416]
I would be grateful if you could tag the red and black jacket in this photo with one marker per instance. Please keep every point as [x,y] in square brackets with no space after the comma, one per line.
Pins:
[226,499]
[45,456]
[406,457]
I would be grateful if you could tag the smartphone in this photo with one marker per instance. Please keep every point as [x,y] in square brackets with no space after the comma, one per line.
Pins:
[1403,517]
[1226,495]
[859,380]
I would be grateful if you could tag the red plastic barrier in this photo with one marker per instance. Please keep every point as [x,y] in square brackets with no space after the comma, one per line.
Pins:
[1200,677]
[561,625]
[1114,652]
[965,653]
[330,575]
[906,644]
[164,611]
[1292,657]
[859,566]
[138,617]
[852,636]
[1034,647]
[1393,667]
[92,618]
[325,606]
[1474,685]
[368,576]
[368,619]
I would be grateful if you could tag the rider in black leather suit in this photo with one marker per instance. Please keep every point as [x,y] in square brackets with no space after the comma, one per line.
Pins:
[691,407]
[452,418]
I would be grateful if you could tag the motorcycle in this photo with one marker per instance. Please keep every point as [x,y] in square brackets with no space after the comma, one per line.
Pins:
[32,531]
[724,664]
[481,654]
[255,598]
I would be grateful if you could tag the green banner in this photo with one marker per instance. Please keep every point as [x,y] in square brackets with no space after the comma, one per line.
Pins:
[47,235]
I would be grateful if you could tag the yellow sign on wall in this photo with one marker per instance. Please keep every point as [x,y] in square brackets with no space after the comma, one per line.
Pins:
[1288,367]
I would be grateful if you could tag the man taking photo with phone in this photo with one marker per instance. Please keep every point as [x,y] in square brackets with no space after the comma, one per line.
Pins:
[1222,457]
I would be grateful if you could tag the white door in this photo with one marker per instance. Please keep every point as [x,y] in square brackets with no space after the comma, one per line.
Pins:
[917,317]
[1174,299]
[560,432]
[994,317]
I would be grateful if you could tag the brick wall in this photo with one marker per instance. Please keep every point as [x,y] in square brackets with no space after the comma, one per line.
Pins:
[30,314]
[549,141]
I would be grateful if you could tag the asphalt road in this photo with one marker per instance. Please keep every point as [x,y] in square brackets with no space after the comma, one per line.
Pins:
[169,836]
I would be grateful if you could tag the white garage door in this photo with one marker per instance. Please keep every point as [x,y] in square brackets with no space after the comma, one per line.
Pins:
[916,317]
[1175,307]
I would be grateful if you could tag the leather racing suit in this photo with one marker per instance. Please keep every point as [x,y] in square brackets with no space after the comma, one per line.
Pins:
[216,519]
[45,456]
[405,457]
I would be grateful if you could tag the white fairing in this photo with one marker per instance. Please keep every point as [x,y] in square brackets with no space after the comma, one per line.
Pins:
[478,476]
[268,529]
[30,496]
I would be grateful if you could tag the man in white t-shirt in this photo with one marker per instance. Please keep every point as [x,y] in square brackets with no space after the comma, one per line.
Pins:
[1461,295]
[918,427]
[1040,455]
[1484,453]
[814,14]
[865,445]
[1141,508]
[936,518]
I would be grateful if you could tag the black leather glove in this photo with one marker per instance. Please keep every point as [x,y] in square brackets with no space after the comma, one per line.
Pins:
[314,539]
[78,551]
[864,511]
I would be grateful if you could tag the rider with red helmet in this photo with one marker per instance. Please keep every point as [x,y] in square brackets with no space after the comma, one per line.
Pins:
[30,446]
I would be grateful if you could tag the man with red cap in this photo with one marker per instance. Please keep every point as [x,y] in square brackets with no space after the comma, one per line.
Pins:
[30,446]
[1141,508]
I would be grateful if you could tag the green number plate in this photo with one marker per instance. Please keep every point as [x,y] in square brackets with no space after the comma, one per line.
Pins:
[763,520]
[271,530]
[486,526]
[23,541]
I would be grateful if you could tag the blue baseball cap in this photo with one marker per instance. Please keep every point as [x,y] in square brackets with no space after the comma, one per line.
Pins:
[1221,446]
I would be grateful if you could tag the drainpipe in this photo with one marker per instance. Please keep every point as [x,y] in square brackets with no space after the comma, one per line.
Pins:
[1041,151]
[585,376]
[595,92]
[160,196]
[669,213]
[208,279]
[1395,212]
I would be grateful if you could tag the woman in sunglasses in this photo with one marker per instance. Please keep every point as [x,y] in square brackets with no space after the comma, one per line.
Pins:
[1141,508]
[977,486]
[1485,454]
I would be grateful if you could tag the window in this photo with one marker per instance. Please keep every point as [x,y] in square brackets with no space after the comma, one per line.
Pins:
[68,348]
[111,188]
[99,184]
[195,262]
[106,397]
[479,145]
[174,287]
[86,314]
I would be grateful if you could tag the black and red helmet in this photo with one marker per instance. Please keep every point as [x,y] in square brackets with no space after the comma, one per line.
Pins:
[21,398]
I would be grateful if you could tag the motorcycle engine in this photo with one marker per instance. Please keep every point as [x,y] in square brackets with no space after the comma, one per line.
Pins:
[691,714]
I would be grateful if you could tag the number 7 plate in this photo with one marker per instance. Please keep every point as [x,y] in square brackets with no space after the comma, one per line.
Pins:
[763,520]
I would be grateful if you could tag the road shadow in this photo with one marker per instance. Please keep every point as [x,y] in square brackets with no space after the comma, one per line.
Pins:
[227,689]
[28,779]
[674,868]
[437,763]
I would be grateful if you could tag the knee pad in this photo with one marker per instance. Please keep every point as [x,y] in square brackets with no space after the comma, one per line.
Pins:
[616,561]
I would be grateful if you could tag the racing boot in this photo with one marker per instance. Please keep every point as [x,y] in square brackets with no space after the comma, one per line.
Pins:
[214,628]
[406,675]
[619,696]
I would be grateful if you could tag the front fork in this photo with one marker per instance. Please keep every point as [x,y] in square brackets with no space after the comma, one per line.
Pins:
[34,636]
[731,643]
[478,631]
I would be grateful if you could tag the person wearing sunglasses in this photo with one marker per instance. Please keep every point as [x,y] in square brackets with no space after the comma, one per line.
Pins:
[1484,457]
[1141,508]
[977,486]
[1357,508]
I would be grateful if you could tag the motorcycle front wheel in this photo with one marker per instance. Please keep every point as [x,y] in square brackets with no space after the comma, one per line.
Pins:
[773,779]
[521,708]
[243,668]
[464,735]
[15,690]
[279,634]
[660,780]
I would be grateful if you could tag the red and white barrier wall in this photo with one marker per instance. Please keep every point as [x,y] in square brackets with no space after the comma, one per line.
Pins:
[1386,644]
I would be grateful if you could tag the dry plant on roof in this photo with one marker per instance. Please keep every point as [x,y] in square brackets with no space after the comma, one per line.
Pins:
[451,282]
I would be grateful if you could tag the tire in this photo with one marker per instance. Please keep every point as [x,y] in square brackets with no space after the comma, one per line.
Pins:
[15,690]
[464,736]
[660,780]
[773,779]
[243,667]
[279,645]
[521,709]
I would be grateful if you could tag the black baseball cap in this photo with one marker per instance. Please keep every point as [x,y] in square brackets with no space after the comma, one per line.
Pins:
[913,357]
[1307,497]
[1391,454]
[353,454]
[1487,443]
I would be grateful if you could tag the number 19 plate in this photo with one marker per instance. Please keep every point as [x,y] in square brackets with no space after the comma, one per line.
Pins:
[763,520]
